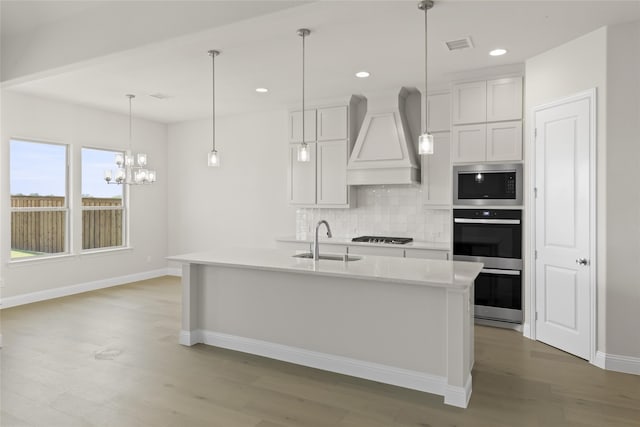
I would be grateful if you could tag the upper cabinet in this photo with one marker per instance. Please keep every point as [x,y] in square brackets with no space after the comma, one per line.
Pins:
[332,123]
[436,173]
[487,101]
[295,126]
[330,131]
[469,103]
[439,112]
[487,121]
[504,99]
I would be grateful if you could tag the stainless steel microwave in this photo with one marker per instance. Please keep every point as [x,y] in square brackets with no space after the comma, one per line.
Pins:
[487,184]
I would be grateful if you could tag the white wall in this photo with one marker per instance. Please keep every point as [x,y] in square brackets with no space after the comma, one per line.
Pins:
[243,203]
[41,119]
[623,198]
[570,68]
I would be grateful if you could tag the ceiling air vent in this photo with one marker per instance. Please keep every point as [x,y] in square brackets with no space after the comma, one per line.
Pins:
[464,43]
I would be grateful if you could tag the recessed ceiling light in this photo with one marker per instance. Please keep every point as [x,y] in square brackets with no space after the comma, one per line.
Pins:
[498,52]
[362,74]
[262,90]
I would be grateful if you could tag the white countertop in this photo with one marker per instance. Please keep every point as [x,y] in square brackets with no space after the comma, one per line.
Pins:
[416,244]
[451,274]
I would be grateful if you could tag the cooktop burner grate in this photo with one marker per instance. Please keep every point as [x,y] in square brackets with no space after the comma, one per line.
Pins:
[382,239]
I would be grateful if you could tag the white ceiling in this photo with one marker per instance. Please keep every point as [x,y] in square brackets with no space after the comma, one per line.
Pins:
[383,37]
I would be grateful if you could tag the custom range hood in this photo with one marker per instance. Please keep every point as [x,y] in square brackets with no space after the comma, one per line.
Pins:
[385,151]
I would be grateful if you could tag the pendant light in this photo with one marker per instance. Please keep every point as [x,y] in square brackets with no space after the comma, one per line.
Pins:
[131,169]
[304,154]
[213,158]
[425,142]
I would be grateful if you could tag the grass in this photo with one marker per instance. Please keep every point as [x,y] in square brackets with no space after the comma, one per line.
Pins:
[21,254]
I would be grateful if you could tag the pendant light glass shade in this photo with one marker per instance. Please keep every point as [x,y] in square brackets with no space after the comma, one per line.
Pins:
[425,141]
[304,155]
[425,144]
[213,157]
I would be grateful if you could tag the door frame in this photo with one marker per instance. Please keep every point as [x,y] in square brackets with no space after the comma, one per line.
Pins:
[530,326]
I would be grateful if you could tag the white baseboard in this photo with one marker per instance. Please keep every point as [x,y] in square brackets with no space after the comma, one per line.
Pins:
[614,362]
[177,271]
[457,396]
[79,288]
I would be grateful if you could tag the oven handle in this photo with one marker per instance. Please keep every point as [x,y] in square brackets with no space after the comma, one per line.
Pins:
[496,271]
[485,221]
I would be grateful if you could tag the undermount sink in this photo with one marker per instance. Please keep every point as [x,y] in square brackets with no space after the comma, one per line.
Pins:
[343,258]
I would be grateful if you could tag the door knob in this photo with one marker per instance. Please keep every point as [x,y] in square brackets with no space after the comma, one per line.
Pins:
[582,261]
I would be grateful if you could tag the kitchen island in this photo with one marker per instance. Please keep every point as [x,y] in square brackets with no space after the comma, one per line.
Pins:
[401,321]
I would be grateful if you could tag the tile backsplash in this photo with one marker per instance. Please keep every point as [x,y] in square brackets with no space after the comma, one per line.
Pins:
[394,210]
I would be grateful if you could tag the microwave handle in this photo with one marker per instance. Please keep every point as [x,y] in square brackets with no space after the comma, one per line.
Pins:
[496,271]
[485,221]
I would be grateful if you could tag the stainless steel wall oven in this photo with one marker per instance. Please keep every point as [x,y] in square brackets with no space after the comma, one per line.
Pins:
[493,237]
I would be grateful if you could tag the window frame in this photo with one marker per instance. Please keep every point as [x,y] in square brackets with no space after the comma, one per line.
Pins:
[68,238]
[124,207]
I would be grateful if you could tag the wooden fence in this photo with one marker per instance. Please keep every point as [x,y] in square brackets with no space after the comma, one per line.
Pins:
[44,231]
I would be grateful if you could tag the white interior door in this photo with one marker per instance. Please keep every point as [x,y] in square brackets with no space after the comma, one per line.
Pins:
[562,222]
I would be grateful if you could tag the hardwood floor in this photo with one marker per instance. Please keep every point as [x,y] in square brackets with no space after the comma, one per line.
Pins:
[112,358]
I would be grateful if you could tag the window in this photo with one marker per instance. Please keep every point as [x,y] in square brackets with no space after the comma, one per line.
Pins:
[103,207]
[39,203]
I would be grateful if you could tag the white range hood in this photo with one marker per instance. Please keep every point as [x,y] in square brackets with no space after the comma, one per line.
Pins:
[385,151]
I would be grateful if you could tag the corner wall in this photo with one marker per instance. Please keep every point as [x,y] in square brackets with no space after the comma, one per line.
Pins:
[29,117]
[623,197]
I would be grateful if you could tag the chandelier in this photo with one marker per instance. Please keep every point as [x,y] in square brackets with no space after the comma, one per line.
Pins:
[131,169]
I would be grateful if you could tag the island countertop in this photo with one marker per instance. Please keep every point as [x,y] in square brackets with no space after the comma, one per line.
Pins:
[448,274]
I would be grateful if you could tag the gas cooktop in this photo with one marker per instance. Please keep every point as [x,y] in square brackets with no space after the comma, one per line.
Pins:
[381,239]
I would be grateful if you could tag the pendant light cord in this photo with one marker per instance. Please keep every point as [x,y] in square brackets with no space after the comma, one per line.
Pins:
[425,70]
[213,100]
[130,126]
[303,132]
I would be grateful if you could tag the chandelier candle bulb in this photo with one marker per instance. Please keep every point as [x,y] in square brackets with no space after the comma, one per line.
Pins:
[108,175]
[142,159]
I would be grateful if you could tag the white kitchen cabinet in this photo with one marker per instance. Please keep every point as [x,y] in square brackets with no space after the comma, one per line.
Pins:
[332,123]
[504,99]
[302,177]
[436,172]
[469,143]
[295,126]
[487,101]
[331,174]
[504,141]
[439,112]
[469,102]
[426,254]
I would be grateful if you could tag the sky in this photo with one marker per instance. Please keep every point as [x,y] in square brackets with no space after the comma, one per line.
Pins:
[38,168]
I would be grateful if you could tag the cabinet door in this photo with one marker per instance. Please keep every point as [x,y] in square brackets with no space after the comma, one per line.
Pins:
[504,99]
[295,126]
[332,123]
[504,141]
[332,186]
[376,250]
[469,103]
[436,172]
[469,143]
[302,177]
[439,112]
[427,254]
